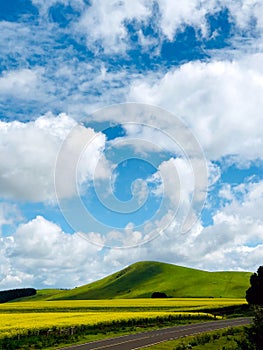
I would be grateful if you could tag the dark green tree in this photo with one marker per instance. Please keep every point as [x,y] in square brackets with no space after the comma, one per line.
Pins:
[254,294]
[11,294]
[159,295]
[253,338]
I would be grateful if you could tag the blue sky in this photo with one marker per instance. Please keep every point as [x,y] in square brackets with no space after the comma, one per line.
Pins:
[121,124]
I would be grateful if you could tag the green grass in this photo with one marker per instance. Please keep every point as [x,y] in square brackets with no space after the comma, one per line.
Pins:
[141,279]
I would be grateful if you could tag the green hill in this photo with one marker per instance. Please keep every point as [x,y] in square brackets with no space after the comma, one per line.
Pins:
[141,279]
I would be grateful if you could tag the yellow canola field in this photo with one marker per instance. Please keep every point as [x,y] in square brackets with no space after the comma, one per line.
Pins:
[19,317]
[182,304]
[19,323]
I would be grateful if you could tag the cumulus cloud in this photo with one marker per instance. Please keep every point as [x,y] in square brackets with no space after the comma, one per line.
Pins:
[251,203]
[213,249]
[41,254]
[23,83]
[185,190]
[80,160]
[233,242]
[29,152]
[220,102]
[236,236]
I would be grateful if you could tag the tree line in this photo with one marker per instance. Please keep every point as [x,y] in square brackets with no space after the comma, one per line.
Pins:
[11,294]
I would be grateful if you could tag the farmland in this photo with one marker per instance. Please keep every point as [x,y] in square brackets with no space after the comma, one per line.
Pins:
[11,324]
[33,317]
[166,304]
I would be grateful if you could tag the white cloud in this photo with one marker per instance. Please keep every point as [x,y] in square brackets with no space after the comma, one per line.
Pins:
[243,14]
[219,101]
[9,214]
[103,23]
[236,236]
[233,242]
[214,249]
[41,254]
[175,15]
[177,181]
[245,11]
[99,19]
[251,204]
[214,173]
[226,192]
[80,160]
[23,83]
[184,189]
[29,152]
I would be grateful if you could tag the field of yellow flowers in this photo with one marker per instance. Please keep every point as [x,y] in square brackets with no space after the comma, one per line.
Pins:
[19,317]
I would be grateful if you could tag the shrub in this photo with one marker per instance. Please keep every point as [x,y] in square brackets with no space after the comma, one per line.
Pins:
[159,295]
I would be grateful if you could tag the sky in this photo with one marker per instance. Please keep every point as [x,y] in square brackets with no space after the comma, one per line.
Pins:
[129,131]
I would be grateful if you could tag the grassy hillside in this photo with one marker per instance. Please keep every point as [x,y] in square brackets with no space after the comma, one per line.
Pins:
[141,279]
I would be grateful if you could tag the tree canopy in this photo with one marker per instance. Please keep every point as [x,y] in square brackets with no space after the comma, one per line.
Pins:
[254,294]
[7,295]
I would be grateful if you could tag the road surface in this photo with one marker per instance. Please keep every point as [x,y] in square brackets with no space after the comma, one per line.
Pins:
[139,340]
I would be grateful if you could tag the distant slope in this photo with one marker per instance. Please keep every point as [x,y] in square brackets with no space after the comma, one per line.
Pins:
[141,279]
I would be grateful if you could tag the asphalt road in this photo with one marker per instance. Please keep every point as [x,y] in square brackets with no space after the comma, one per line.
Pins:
[139,340]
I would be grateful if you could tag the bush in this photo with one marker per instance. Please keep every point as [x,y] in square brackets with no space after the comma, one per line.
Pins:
[159,295]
